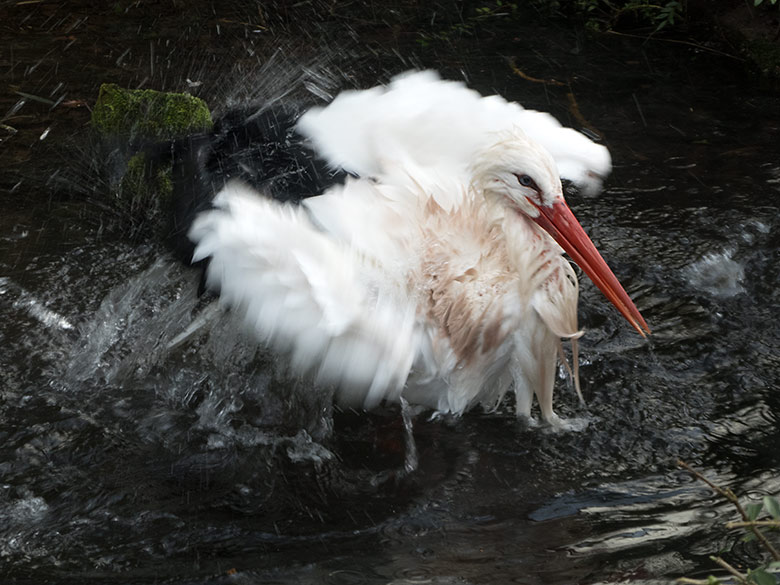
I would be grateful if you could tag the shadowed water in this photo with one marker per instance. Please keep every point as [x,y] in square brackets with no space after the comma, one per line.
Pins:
[144,438]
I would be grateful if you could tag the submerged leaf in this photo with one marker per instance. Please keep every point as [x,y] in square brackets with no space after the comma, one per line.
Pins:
[761,577]
[753,510]
[772,506]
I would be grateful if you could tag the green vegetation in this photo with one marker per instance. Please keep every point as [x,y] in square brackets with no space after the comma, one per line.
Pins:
[599,15]
[148,114]
[746,31]
[610,14]
[755,516]
[470,24]
[141,117]
[145,191]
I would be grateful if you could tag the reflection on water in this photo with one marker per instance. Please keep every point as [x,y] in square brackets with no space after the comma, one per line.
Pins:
[144,438]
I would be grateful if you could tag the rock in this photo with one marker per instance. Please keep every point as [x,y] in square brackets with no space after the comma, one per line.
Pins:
[147,114]
[140,127]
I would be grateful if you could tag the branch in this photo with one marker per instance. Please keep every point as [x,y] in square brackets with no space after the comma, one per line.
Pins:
[739,576]
[695,45]
[769,523]
[517,71]
[729,495]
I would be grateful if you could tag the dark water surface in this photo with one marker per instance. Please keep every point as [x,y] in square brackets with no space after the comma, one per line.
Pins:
[131,453]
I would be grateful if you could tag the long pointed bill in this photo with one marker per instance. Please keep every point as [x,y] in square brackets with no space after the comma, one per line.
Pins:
[560,223]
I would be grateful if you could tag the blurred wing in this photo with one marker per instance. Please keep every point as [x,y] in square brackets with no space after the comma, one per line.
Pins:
[371,219]
[304,293]
[438,123]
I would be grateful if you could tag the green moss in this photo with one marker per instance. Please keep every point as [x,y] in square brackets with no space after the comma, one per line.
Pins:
[143,196]
[148,113]
[144,180]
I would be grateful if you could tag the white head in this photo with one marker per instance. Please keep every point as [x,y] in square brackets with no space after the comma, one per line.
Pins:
[523,177]
[519,171]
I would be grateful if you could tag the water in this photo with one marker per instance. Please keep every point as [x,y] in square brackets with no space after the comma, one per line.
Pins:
[144,439]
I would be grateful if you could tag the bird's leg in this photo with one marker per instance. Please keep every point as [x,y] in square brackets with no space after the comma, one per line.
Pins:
[410,457]
[523,399]
[574,369]
[524,396]
[545,396]
[544,390]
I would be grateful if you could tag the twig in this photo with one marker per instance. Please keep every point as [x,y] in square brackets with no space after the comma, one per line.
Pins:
[729,495]
[35,98]
[742,579]
[241,22]
[699,476]
[574,109]
[677,41]
[639,109]
[739,576]
[769,523]
[517,71]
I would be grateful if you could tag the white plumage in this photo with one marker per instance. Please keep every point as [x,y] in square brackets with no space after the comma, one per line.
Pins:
[440,124]
[435,277]
[306,294]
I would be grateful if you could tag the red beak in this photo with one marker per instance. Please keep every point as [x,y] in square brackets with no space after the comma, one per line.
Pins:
[560,223]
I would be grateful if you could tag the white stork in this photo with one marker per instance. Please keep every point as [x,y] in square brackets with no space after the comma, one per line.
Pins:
[437,276]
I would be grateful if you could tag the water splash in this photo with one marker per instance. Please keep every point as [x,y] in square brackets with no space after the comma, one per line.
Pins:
[32,306]
[410,459]
[718,274]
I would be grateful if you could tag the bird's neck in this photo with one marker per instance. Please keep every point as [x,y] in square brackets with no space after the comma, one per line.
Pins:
[530,249]
[494,203]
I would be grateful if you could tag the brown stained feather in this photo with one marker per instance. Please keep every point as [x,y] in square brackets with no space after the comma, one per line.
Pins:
[479,272]
[493,333]
[466,275]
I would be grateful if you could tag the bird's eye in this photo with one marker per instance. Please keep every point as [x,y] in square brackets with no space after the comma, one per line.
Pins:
[527,181]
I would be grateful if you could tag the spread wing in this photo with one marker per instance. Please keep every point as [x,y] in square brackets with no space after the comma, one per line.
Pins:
[439,124]
[307,293]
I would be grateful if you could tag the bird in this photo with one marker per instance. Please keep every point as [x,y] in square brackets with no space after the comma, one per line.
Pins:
[256,143]
[433,274]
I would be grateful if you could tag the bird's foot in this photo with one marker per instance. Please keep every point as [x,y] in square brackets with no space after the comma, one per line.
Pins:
[557,424]
[527,421]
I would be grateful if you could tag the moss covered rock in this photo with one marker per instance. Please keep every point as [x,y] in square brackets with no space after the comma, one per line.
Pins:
[148,114]
[145,193]
[134,123]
